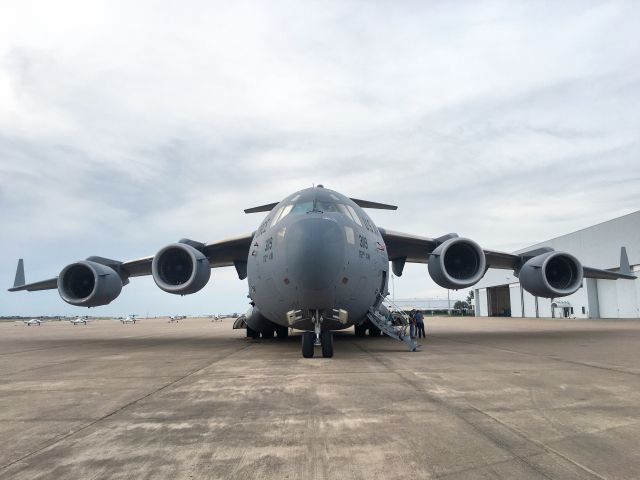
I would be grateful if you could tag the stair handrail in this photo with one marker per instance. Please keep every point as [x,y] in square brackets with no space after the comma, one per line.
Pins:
[387,302]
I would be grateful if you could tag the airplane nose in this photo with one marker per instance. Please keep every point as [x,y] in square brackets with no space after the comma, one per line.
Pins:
[315,251]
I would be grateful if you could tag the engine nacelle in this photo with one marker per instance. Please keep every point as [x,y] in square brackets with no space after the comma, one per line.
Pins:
[457,263]
[552,274]
[180,269]
[89,284]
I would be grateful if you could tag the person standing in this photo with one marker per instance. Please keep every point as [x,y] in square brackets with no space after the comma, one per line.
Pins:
[412,324]
[420,325]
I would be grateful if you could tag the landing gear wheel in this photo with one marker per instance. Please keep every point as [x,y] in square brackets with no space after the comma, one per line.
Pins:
[251,333]
[326,338]
[308,341]
[374,331]
[268,334]
[360,330]
[282,332]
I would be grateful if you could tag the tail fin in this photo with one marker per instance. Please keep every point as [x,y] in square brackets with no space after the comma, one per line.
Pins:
[19,281]
[624,262]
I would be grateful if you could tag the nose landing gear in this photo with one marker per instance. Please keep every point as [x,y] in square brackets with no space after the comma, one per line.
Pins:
[317,338]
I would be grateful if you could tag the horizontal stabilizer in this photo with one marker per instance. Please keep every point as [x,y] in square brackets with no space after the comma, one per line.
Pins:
[262,208]
[368,204]
[19,281]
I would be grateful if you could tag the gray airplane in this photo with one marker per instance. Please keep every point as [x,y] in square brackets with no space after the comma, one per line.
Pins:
[318,263]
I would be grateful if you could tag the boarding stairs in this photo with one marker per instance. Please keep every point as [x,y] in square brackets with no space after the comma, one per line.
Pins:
[392,321]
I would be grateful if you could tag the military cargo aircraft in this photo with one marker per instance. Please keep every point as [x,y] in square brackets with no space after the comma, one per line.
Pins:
[318,263]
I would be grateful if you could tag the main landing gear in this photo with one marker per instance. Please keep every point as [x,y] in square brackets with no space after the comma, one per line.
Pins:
[317,338]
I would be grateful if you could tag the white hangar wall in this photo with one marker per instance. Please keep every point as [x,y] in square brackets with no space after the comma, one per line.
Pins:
[499,292]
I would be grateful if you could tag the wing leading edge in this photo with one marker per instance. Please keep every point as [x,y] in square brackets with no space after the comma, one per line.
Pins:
[229,252]
[404,247]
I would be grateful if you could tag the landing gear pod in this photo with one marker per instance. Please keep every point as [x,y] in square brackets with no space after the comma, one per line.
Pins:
[89,284]
[552,274]
[180,269]
[457,263]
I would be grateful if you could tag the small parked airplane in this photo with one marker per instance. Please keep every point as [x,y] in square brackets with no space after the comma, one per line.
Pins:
[129,319]
[33,321]
[79,320]
[176,318]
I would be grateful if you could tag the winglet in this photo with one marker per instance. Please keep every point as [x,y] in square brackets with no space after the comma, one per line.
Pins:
[625,269]
[19,281]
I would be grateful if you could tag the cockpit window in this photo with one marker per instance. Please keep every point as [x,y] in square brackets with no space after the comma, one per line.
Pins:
[324,206]
[281,213]
[276,216]
[302,207]
[285,212]
[354,215]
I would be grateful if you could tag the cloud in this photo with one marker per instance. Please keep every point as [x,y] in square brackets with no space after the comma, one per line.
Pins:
[124,127]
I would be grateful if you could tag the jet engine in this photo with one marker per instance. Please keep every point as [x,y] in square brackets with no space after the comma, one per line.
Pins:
[89,284]
[552,274]
[457,263]
[180,269]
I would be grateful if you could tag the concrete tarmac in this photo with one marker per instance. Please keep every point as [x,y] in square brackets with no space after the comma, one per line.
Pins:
[485,398]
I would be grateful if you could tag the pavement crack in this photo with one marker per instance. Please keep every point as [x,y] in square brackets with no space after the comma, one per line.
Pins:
[122,408]
[460,411]
[546,357]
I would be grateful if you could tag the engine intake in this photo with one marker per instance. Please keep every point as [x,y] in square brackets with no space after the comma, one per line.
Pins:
[180,269]
[89,284]
[457,263]
[552,274]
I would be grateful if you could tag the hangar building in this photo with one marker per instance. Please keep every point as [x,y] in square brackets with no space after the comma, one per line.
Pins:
[499,292]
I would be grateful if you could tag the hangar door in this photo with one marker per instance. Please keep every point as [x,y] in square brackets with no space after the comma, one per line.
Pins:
[499,301]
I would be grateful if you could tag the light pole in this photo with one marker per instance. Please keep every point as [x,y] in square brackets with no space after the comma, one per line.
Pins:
[448,303]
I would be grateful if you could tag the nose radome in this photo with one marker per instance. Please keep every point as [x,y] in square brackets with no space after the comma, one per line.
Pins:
[315,251]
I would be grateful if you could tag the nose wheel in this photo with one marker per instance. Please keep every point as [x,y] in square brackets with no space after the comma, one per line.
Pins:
[309,343]
[326,339]
[317,338]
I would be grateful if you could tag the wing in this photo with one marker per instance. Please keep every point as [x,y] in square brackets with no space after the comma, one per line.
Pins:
[404,247]
[232,251]
[226,253]
[411,248]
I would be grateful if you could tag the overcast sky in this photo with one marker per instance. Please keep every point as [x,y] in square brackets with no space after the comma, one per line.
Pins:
[128,125]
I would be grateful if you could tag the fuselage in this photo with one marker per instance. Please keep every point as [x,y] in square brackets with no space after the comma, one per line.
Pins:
[317,251]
